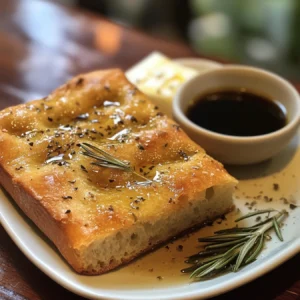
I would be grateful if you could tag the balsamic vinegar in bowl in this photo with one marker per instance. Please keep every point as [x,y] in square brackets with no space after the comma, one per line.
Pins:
[236,112]
[240,115]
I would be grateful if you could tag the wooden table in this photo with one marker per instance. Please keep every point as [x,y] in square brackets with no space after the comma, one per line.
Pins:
[42,45]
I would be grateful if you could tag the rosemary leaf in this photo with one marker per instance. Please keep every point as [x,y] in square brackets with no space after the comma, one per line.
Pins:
[277,229]
[106,160]
[234,230]
[194,258]
[257,250]
[258,225]
[223,237]
[244,251]
[210,268]
[255,213]
[106,157]
[207,268]
[209,259]
[200,269]
[221,245]
[226,261]
[221,261]
[106,165]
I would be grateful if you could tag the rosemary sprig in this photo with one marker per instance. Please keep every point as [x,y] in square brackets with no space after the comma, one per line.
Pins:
[231,249]
[104,159]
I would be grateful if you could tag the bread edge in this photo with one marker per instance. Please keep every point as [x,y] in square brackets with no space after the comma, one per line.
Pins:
[40,216]
[55,232]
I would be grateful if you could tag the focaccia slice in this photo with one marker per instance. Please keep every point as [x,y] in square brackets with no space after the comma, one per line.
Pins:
[97,216]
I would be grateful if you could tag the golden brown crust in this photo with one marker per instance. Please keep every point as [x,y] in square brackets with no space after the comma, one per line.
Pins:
[75,203]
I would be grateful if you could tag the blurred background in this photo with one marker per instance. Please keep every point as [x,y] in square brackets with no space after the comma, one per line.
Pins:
[258,32]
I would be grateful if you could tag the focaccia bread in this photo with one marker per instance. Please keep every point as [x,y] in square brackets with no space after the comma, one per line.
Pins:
[100,217]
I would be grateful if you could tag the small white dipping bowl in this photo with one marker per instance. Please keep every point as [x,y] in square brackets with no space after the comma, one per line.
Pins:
[235,149]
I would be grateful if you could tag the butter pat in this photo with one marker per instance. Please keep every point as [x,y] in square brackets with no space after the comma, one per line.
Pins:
[159,78]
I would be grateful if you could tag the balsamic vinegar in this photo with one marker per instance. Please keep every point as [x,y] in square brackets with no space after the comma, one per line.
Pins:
[237,113]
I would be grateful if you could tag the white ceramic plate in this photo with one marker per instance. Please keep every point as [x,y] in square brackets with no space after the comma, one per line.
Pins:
[157,275]
[199,64]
